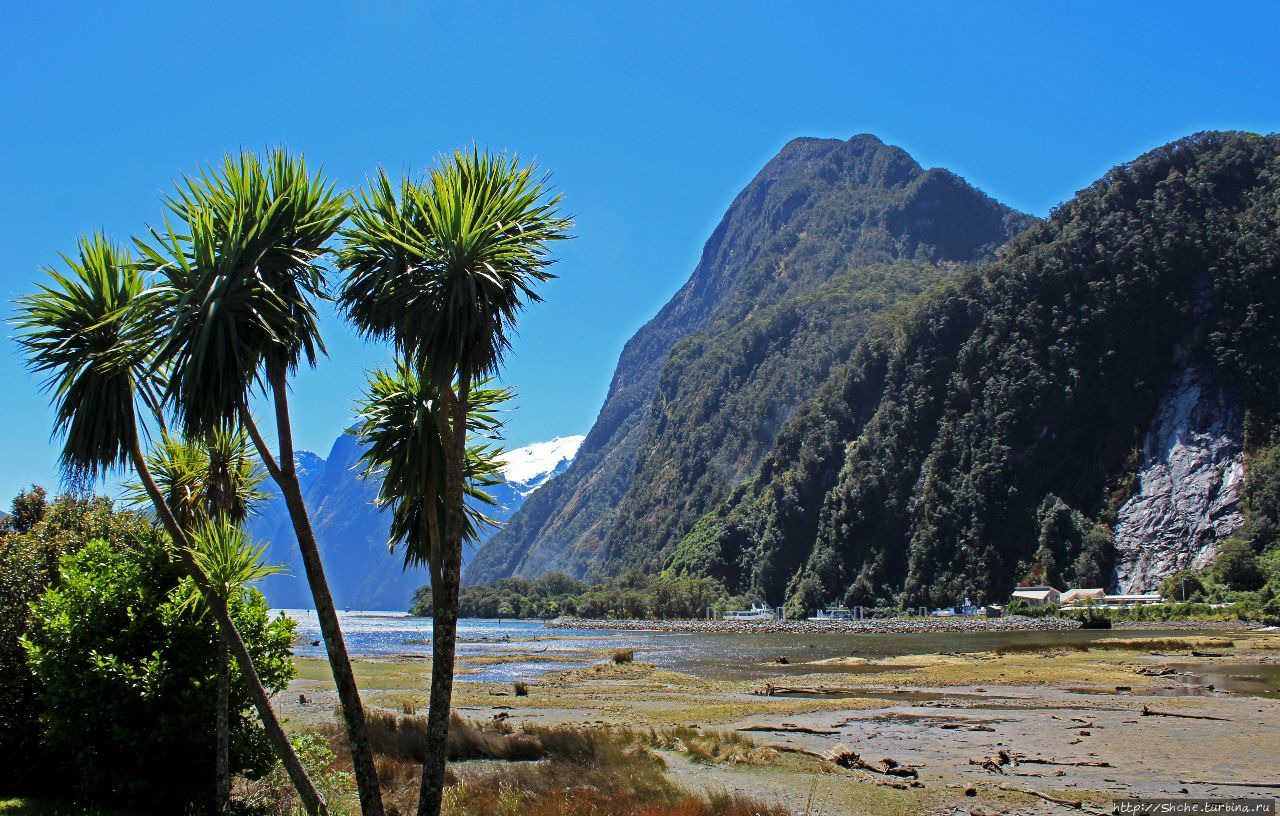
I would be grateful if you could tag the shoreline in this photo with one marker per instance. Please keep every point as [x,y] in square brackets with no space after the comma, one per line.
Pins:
[1011,623]
[979,728]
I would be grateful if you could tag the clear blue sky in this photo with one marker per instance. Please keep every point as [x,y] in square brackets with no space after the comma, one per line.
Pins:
[651,115]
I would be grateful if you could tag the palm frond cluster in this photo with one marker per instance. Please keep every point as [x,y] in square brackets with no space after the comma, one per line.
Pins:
[403,449]
[221,303]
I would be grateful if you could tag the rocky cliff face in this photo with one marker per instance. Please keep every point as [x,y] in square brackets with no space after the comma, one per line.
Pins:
[1190,480]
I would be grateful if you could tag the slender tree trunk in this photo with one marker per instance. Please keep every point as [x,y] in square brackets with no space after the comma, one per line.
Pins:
[348,693]
[311,798]
[222,796]
[446,577]
[444,630]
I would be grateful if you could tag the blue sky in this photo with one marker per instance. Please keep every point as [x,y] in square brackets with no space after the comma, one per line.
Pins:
[651,116]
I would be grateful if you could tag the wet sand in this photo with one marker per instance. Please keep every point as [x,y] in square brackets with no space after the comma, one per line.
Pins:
[1069,722]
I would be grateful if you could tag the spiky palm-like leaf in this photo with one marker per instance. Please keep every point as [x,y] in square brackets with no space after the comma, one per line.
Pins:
[241,264]
[217,477]
[442,269]
[229,557]
[91,332]
[399,428]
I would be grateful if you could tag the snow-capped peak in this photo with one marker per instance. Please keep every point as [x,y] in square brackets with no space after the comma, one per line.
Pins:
[541,459]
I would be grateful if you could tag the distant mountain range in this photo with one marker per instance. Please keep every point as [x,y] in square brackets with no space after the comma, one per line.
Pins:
[352,533]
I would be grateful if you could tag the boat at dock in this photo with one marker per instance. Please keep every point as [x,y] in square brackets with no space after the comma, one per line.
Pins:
[757,612]
[835,613]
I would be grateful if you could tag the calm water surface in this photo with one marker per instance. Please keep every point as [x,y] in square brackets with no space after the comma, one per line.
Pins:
[391,635]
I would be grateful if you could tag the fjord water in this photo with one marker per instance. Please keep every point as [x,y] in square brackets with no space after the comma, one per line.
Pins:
[506,650]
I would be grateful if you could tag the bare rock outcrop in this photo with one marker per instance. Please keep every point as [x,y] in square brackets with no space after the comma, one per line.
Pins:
[1190,478]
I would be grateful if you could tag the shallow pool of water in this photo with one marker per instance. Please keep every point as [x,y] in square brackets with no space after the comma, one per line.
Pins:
[734,656]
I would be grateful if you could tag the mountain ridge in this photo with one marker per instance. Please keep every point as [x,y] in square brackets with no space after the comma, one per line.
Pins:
[997,432]
[818,209]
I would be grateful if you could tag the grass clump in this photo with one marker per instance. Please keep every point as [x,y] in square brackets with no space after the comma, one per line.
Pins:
[1120,644]
[705,745]
[581,770]
[1166,643]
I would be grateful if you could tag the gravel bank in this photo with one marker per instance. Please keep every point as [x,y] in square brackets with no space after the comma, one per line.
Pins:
[1011,623]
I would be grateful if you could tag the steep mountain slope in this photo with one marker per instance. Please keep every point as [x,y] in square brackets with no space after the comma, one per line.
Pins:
[352,533]
[826,236]
[1103,383]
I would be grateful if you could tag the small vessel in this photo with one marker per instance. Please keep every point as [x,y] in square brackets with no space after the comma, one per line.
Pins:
[757,612]
[965,610]
[834,613]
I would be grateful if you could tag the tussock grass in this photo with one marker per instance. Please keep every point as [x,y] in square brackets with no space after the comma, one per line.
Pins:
[1146,644]
[705,745]
[598,771]
[404,739]
[1120,644]
[1041,648]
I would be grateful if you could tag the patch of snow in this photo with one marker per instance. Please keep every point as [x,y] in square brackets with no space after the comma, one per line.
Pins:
[529,466]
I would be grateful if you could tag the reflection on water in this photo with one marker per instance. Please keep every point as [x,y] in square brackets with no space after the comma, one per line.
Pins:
[1255,679]
[536,649]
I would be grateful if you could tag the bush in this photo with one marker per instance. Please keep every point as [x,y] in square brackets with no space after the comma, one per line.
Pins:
[1271,611]
[1173,586]
[128,681]
[1236,566]
[1021,607]
[273,794]
[37,533]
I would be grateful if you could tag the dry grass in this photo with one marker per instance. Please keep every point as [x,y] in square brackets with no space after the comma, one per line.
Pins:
[705,745]
[1120,644]
[1163,644]
[600,772]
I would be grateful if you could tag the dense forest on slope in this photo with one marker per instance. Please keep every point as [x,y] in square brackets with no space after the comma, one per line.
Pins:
[829,235]
[995,431]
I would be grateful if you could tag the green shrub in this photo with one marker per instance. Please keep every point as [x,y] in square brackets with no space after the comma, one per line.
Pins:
[37,533]
[1173,586]
[1271,611]
[1236,566]
[128,681]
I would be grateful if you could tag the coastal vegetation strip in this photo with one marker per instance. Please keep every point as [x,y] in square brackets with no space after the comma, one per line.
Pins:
[884,625]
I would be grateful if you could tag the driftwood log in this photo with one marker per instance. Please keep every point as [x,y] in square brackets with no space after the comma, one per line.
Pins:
[1230,784]
[848,759]
[1045,796]
[1148,712]
[789,729]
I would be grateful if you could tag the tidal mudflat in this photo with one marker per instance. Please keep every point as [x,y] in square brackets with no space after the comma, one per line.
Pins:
[866,724]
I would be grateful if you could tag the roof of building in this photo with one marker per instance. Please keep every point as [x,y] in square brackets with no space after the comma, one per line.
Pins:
[1035,592]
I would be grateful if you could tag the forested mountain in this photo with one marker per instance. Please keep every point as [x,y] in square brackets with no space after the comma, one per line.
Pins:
[352,532]
[1100,405]
[829,238]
